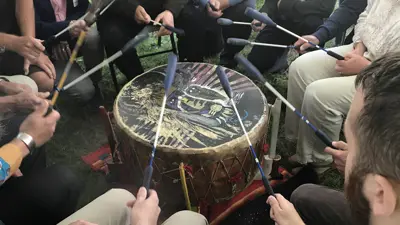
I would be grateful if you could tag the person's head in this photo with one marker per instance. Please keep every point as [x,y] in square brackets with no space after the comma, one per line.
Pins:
[372,131]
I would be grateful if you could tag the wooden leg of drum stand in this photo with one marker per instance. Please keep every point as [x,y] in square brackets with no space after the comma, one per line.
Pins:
[184,186]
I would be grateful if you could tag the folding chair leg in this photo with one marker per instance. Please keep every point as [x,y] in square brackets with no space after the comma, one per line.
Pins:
[114,76]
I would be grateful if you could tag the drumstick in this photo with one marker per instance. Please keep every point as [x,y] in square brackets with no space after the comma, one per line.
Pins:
[128,46]
[266,20]
[105,8]
[228,90]
[66,71]
[250,68]
[243,42]
[169,78]
[93,11]
[228,22]
[170,28]
[204,3]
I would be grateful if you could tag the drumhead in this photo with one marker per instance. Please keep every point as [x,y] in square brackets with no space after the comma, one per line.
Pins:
[198,114]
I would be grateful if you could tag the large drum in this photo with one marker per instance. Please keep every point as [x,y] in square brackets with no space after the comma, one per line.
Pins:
[200,129]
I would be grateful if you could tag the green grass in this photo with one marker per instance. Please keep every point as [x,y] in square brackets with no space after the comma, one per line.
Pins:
[80,130]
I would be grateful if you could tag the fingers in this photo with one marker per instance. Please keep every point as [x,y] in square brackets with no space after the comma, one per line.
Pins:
[17,173]
[163,32]
[43,95]
[282,201]
[159,18]
[46,69]
[273,202]
[52,69]
[340,145]
[27,64]
[130,203]
[332,152]
[145,17]
[141,195]
[42,108]
[153,196]
[38,45]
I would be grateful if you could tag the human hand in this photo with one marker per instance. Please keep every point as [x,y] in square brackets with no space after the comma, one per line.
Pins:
[82,222]
[217,5]
[305,45]
[166,18]
[339,156]
[39,127]
[144,211]
[27,100]
[11,88]
[28,47]
[255,27]
[359,49]
[352,64]
[78,27]
[61,51]
[141,15]
[46,65]
[283,212]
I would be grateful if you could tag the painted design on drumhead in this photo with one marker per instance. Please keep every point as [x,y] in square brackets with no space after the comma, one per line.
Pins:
[198,112]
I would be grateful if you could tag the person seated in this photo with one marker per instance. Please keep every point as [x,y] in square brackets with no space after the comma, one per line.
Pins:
[300,17]
[322,87]
[372,159]
[120,207]
[43,195]
[203,33]
[20,52]
[126,18]
[53,16]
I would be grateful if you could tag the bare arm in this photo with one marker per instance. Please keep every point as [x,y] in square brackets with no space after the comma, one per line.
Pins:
[25,14]
[7,40]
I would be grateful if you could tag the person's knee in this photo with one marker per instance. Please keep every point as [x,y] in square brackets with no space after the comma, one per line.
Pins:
[93,40]
[43,81]
[303,196]
[186,217]
[82,92]
[68,178]
[120,194]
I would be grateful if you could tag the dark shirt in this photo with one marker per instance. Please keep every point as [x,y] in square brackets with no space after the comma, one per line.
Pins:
[343,17]
[46,23]
[127,8]
[8,18]
[297,10]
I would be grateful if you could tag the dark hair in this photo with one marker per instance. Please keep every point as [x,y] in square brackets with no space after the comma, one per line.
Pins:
[377,128]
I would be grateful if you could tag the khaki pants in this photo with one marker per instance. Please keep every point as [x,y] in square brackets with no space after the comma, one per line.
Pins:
[22,79]
[111,209]
[324,97]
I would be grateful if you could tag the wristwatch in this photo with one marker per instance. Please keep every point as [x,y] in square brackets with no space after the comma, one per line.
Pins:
[27,140]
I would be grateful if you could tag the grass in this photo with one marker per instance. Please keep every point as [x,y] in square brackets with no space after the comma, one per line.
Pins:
[80,131]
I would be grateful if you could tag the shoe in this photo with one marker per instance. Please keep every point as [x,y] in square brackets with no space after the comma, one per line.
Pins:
[281,63]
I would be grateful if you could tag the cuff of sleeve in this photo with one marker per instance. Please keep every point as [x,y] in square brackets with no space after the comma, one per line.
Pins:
[11,154]
[321,34]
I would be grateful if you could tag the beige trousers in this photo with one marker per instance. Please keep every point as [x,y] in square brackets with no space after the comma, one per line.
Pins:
[111,209]
[22,79]
[323,96]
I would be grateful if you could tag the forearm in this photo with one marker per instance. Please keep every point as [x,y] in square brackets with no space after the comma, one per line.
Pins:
[7,40]
[11,156]
[25,14]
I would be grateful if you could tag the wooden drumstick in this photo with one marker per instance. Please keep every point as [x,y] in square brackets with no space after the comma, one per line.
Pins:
[228,90]
[244,42]
[251,69]
[128,46]
[169,78]
[252,13]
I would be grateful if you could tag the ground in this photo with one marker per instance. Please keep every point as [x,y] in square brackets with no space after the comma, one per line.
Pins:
[80,130]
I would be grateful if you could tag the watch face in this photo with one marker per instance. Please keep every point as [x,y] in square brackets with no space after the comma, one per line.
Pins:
[2,49]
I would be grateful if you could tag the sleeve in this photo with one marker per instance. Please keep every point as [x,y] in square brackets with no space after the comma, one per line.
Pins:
[126,8]
[361,22]
[80,10]
[10,160]
[45,30]
[299,8]
[175,6]
[343,17]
